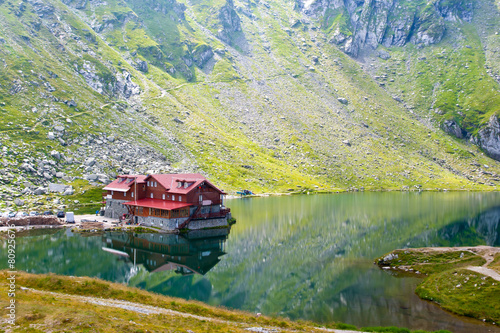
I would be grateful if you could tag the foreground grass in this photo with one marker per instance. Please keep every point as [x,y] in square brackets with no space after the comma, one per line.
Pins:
[45,311]
[448,282]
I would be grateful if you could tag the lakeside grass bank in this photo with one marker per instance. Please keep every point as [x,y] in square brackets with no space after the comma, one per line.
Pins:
[462,280]
[82,304]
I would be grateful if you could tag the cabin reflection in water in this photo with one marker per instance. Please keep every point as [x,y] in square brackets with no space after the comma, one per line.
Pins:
[196,252]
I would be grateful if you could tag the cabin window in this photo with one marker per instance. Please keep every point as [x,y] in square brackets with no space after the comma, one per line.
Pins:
[112,192]
[163,196]
[180,198]
[173,197]
[132,194]
[148,182]
[179,184]
[151,195]
[201,198]
[124,194]
[156,184]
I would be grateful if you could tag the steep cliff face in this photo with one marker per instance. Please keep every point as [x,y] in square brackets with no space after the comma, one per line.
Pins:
[359,26]
[230,22]
[488,138]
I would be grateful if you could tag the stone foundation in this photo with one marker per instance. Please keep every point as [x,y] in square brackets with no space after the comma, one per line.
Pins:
[166,224]
[173,224]
[115,208]
[208,223]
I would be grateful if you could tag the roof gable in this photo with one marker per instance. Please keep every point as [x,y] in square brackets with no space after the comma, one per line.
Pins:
[124,182]
[182,183]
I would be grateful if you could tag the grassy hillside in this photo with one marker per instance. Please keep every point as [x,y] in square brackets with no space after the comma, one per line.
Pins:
[83,304]
[254,95]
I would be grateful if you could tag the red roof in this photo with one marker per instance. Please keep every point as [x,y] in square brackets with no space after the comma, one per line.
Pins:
[157,203]
[123,183]
[171,181]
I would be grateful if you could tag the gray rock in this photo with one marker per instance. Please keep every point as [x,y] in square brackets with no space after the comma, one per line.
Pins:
[26,190]
[384,54]
[343,100]
[92,177]
[69,191]
[51,136]
[60,174]
[177,120]
[55,154]
[18,202]
[71,103]
[40,191]
[27,167]
[202,54]
[230,22]
[59,188]
[90,161]
[124,85]
[451,127]
[488,138]
[141,65]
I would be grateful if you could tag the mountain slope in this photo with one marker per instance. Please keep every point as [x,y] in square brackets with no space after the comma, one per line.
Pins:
[256,95]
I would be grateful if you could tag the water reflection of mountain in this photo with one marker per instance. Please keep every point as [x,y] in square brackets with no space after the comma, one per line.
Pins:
[483,228]
[194,253]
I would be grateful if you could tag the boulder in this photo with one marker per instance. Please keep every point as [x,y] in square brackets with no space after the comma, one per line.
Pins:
[69,191]
[55,154]
[40,191]
[451,127]
[89,161]
[488,138]
[59,188]
[18,202]
[343,100]
[92,177]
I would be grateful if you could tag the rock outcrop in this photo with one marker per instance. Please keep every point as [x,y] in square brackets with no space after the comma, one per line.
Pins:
[488,138]
[230,22]
[364,25]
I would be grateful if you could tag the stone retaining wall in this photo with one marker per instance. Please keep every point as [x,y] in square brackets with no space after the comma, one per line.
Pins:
[208,223]
[115,208]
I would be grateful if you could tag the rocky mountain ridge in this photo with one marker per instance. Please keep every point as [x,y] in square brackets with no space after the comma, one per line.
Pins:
[266,95]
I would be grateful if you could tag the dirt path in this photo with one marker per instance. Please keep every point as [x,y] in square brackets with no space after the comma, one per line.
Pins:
[149,309]
[485,271]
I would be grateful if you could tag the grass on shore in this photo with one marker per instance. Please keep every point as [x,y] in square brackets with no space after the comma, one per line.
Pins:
[463,292]
[449,283]
[38,311]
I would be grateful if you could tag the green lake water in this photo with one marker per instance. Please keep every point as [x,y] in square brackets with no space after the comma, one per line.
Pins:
[302,257]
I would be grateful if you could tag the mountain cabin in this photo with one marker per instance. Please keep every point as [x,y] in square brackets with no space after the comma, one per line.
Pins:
[167,201]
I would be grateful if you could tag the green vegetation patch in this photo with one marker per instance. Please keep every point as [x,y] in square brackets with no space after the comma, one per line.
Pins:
[429,262]
[449,283]
[463,292]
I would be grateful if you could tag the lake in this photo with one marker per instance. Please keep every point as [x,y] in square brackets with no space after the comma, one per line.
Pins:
[303,257]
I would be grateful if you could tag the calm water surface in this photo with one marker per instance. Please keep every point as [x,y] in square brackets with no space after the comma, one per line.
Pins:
[308,257]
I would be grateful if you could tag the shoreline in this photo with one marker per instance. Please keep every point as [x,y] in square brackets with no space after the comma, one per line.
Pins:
[464,280]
